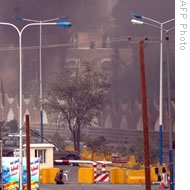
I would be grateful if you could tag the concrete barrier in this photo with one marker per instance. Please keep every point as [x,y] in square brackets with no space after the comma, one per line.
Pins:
[86,175]
[52,175]
[118,176]
[47,175]
[136,177]
[44,176]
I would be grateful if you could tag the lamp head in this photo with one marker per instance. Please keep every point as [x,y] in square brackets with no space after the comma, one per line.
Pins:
[134,21]
[63,17]
[17,17]
[64,24]
[136,15]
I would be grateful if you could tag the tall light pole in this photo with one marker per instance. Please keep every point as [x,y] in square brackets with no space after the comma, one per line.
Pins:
[169,121]
[20,32]
[40,61]
[160,26]
[169,110]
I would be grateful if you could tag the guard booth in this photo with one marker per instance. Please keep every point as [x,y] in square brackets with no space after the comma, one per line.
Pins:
[44,151]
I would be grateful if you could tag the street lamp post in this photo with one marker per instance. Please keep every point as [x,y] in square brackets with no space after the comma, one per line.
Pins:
[169,121]
[161,24]
[40,64]
[20,32]
[161,91]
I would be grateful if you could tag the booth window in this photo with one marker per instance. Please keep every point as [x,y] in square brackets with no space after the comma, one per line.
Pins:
[41,154]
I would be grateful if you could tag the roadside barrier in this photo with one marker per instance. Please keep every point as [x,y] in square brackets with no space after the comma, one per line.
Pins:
[100,175]
[47,175]
[80,162]
[136,177]
[165,182]
[158,176]
[86,175]
[118,176]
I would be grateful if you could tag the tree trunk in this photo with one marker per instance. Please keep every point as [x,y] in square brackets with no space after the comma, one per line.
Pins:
[74,139]
[78,139]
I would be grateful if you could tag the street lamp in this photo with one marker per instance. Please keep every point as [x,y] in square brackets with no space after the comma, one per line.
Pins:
[134,21]
[40,60]
[20,32]
[160,27]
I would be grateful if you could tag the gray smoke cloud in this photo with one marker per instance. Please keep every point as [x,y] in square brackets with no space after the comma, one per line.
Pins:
[85,16]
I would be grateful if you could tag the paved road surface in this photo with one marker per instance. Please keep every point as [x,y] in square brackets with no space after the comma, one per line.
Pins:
[96,187]
[72,183]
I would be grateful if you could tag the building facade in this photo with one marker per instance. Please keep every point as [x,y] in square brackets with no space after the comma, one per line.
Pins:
[90,47]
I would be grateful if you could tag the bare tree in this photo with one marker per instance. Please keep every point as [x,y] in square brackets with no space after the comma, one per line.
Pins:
[78,99]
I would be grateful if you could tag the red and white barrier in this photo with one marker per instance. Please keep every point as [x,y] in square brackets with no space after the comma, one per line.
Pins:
[104,177]
[80,162]
[95,167]
[103,168]
[165,182]
[100,176]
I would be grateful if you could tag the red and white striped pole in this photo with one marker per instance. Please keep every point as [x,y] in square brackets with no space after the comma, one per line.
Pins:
[95,167]
[103,168]
[81,162]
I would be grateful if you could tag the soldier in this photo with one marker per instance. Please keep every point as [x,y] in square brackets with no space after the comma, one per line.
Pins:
[59,177]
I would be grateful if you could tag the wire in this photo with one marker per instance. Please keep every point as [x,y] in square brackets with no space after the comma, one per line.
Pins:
[112,40]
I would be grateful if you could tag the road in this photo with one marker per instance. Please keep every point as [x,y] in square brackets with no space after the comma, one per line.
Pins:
[72,183]
[100,186]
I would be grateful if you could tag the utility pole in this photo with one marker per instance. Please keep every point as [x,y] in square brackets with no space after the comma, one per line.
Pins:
[144,115]
[28,152]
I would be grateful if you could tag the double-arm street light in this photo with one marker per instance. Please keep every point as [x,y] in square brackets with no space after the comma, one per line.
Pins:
[40,64]
[160,26]
[20,32]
